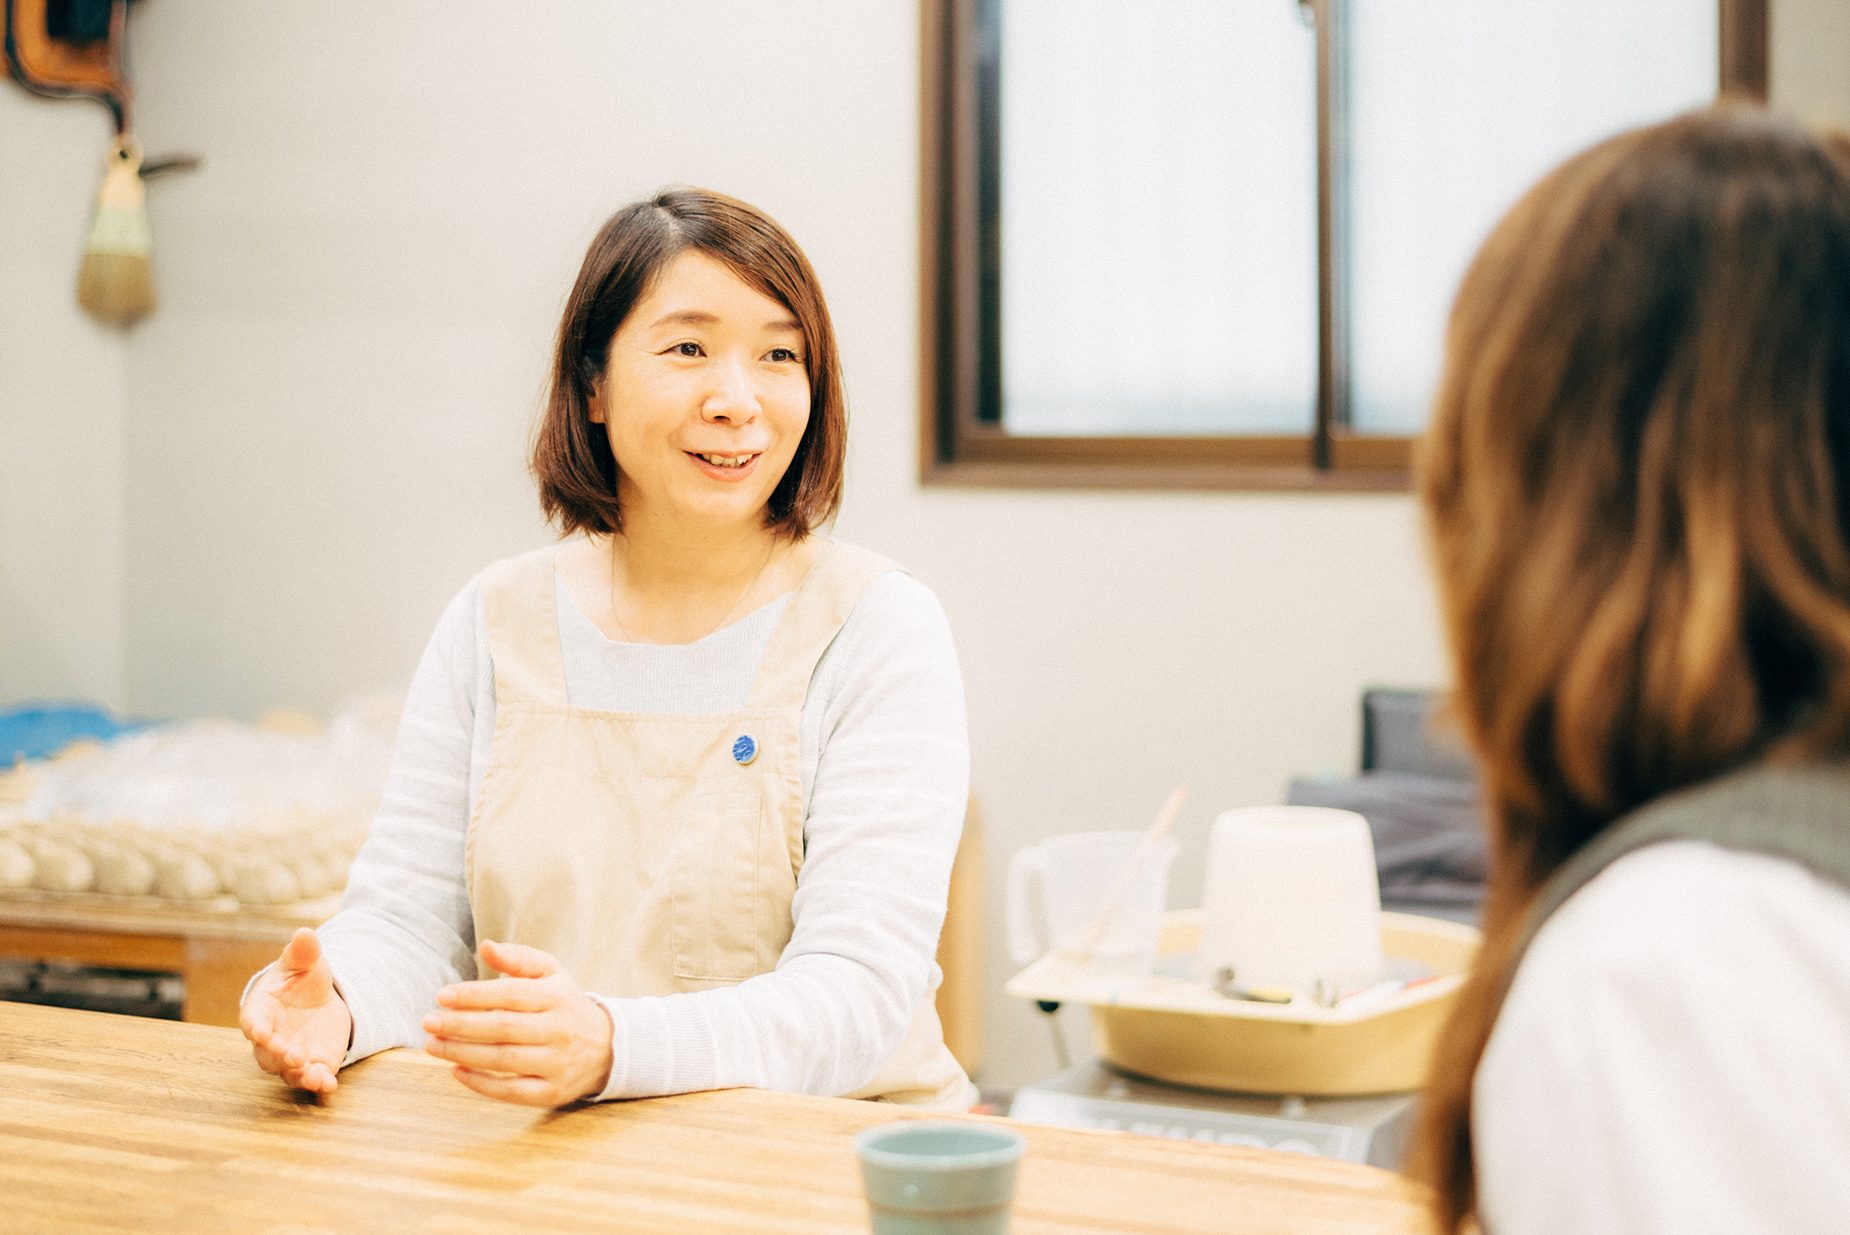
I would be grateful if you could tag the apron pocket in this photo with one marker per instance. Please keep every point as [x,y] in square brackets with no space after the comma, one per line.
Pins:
[714,886]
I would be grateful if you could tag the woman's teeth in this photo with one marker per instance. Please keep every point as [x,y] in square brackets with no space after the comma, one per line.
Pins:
[727,460]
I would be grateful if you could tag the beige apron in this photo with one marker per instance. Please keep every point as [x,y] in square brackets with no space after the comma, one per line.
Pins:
[654,854]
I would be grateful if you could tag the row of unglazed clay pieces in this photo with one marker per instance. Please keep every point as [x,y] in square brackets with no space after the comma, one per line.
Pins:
[262,866]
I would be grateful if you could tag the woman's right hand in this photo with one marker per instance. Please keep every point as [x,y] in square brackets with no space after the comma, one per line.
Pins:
[297,1023]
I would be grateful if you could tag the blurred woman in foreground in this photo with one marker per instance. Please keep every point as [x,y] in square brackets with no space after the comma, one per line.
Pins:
[1636,482]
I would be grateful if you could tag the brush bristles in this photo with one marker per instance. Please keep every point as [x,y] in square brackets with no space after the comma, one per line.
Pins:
[116,287]
[116,283]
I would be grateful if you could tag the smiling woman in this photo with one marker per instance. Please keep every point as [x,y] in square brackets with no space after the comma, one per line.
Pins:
[707,281]
[675,801]
[701,339]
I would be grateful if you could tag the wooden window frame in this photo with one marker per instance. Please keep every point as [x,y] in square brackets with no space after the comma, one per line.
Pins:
[960,344]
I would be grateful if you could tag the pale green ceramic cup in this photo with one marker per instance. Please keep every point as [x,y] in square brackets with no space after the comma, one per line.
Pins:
[930,1178]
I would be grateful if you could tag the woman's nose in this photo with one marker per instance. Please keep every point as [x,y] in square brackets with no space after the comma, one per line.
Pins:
[733,394]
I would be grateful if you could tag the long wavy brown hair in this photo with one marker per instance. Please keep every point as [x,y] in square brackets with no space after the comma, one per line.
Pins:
[1637,482]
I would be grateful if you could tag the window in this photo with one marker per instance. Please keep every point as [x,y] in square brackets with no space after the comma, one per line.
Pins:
[1213,242]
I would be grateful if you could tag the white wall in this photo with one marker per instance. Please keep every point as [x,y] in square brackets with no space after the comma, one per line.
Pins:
[61,409]
[326,418]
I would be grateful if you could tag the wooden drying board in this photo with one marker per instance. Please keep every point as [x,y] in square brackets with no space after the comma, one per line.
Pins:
[214,946]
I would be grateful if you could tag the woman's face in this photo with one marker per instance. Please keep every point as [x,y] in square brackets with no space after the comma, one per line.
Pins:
[705,398]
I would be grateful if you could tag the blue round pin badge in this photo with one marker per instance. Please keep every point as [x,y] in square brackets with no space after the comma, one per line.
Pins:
[745,750]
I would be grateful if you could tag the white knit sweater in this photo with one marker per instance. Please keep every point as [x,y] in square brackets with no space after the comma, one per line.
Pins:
[885,769]
[1670,1059]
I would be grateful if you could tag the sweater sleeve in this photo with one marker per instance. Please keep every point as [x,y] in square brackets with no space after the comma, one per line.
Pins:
[404,928]
[1669,1057]
[885,812]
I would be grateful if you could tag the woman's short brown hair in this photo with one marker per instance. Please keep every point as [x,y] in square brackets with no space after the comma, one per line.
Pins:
[571,459]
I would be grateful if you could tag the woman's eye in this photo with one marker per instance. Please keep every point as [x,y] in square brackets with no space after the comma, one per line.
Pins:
[784,355]
[686,349]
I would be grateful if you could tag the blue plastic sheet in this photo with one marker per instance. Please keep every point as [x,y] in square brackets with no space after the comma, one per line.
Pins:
[41,730]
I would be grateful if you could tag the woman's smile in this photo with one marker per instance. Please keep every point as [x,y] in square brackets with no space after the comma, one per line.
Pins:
[726,467]
[704,356]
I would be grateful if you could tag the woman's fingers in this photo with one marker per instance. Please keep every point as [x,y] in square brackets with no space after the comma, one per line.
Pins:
[493,1026]
[300,953]
[520,1038]
[267,1059]
[512,994]
[299,1042]
[524,1090]
[317,1078]
[296,1066]
[298,982]
[257,1020]
[507,1057]
[314,1075]
[517,960]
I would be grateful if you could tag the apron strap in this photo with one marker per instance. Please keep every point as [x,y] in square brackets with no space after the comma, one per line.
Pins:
[523,629]
[836,581]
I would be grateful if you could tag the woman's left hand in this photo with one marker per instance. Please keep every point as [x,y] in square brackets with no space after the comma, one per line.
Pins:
[532,1037]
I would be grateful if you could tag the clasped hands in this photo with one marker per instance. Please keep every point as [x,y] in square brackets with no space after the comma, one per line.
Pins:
[531,1036]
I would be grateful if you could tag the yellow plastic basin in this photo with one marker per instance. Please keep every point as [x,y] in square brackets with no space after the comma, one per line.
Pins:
[1184,1032]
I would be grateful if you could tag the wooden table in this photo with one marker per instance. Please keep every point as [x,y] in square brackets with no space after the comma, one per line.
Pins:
[215,946]
[112,1123]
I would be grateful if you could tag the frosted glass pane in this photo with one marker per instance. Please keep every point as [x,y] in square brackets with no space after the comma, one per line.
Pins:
[1456,107]
[1158,201]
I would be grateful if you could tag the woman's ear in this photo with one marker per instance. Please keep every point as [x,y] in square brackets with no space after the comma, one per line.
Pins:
[596,402]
